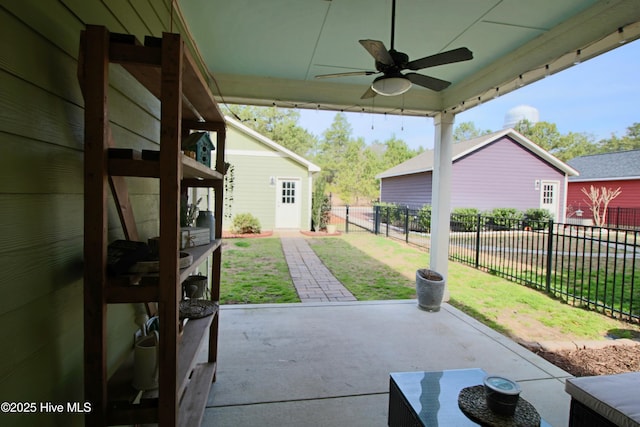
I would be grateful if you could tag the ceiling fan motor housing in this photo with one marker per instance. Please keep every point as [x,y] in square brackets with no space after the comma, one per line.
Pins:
[400,60]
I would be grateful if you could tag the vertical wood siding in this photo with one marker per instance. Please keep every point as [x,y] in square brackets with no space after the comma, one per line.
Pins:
[41,192]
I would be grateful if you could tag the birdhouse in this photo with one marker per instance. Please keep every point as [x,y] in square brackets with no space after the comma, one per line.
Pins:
[199,144]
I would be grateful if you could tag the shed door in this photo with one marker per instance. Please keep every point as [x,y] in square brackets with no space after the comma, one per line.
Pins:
[288,203]
[549,195]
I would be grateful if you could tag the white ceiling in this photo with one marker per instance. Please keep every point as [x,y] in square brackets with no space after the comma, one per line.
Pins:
[266,52]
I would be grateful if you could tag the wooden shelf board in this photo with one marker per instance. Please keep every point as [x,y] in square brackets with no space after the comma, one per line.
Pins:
[191,169]
[119,293]
[195,332]
[134,167]
[199,254]
[121,408]
[196,395]
[143,62]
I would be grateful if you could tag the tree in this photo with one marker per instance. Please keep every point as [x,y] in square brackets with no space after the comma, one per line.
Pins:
[279,125]
[564,147]
[467,130]
[630,141]
[395,152]
[599,199]
[333,147]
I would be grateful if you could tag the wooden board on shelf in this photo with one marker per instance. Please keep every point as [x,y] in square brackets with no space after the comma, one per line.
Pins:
[195,398]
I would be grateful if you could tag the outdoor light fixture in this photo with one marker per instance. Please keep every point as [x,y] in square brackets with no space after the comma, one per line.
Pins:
[391,85]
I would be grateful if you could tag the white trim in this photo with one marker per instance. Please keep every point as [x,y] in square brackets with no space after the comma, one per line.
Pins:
[516,136]
[255,153]
[270,143]
[556,196]
[626,178]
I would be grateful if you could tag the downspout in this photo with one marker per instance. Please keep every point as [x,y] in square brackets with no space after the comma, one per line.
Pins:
[441,199]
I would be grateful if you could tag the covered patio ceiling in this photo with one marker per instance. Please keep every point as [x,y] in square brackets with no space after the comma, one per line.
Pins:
[269,52]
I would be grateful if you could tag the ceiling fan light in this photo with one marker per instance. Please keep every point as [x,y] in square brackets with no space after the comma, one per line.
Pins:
[391,86]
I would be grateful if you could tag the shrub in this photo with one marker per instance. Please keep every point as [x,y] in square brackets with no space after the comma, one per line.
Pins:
[464,219]
[320,207]
[392,213]
[245,223]
[537,219]
[505,218]
[424,218]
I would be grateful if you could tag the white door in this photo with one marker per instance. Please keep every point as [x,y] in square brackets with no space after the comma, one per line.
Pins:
[549,196]
[288,203]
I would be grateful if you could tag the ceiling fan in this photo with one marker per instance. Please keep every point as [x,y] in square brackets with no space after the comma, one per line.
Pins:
[391,62]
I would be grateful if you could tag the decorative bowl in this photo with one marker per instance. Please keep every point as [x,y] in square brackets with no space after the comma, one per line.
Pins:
[502,394]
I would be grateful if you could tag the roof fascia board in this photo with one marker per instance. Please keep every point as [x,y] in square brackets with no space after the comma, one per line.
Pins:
[272,144]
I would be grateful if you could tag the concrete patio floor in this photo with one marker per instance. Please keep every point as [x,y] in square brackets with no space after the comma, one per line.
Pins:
[328,364]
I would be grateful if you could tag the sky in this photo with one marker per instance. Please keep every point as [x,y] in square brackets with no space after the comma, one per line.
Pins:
[598,97]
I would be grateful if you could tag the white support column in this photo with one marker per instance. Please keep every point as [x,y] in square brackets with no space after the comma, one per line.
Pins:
[441,199]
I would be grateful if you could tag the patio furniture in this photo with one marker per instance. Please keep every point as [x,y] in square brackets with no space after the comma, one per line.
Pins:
[431,398]
[605,400]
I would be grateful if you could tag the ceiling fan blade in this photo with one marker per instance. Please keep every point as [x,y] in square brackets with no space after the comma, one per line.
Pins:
[428,82]
[448,57]
[368,94]
[352,73]
[378,51]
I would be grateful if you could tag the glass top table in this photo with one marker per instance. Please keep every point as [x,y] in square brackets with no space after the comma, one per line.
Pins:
[431,398]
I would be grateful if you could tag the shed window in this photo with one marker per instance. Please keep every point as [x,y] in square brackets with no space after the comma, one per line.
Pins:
[288,192]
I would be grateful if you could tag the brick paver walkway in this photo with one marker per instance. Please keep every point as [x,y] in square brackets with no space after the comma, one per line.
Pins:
[312,279]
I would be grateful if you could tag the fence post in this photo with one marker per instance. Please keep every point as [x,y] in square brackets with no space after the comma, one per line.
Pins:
[387,221]
[478,240]
[376,219]
[549,256]
[406,223]
[346,220]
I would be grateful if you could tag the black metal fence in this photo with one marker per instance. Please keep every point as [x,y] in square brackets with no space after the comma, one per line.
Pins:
[623,218]
[592,267]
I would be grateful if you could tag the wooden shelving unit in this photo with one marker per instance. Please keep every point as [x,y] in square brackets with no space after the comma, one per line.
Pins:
[168,71]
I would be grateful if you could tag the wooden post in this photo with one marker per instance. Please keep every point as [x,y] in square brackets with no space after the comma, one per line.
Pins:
[170,176]
[94,71]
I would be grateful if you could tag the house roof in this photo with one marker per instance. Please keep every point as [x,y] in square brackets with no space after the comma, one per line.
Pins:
[607,166]
[311,167]
[424,162]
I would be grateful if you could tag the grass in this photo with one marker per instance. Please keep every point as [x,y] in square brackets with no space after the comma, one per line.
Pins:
[365,276]
[376,268]
[254,271]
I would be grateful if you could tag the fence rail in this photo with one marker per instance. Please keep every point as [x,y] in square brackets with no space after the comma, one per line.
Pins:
[592,267]
[623,218]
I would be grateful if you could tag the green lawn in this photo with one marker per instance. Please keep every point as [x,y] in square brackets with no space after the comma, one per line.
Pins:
[254,271]
[377,268]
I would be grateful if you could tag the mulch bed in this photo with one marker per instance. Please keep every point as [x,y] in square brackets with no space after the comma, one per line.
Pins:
[229,235]
[584,362]
[319,233]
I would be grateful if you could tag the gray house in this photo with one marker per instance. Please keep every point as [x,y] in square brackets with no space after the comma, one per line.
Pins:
[272,183]
[499,170]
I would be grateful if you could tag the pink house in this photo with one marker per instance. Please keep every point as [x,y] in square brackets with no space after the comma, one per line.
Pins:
[500,170]
[610,170]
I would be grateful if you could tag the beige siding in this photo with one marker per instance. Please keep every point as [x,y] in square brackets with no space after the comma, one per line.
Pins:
[41,192]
